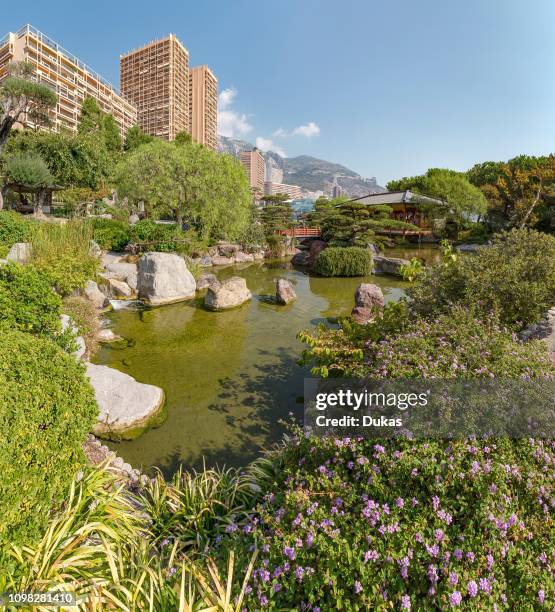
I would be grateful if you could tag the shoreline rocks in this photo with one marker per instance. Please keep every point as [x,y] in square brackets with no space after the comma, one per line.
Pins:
[127,408]
[205,280]
[163,278]
[92,293]
[231,293]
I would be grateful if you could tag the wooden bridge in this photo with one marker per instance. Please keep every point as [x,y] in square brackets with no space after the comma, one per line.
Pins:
[301,232]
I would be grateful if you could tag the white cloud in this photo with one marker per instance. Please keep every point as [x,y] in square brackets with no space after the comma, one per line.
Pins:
[280,133]
[230,122]
[309,130]
[266,144]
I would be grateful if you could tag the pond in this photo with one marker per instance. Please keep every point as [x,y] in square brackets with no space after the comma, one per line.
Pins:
[229,377]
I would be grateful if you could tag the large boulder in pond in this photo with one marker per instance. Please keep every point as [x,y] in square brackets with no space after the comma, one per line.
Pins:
[284,291]
[369,301]
[126,407]
[316,247]
[228,294]
[163,278]
[388,265]
[20,253]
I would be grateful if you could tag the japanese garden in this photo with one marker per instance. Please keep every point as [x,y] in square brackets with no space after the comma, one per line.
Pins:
[157,320]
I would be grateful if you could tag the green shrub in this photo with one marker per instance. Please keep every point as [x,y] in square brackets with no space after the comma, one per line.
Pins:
[62,253]
[13,228]
[47,408]
[27,301]
[110,234]
[354,524]
[347,261]
[515,277]
[150,236]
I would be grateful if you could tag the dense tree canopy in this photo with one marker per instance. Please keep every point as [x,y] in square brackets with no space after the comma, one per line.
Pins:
[94,121]
[461,196]
[21,96]
[348,223]
[190,183]
[276,214]
[519,190]
[135,137]
[74,160]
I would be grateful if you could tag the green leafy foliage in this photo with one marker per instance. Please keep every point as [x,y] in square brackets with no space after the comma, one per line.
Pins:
[13,228]
[95,121]
[135,137]
[27,301]
[74,160]
[344,261]
[461,197]
[110,234]
[514,277]
[412,270]
[349,223]
[21,96]
[189,182]
[47,408]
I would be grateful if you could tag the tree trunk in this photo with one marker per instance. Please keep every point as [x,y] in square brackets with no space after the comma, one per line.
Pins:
[39,203]
[1,198]
[179,218]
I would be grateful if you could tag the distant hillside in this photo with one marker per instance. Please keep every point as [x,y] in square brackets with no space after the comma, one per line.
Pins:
[310,173]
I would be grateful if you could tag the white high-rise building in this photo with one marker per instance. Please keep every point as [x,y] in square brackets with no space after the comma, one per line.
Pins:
[273,173]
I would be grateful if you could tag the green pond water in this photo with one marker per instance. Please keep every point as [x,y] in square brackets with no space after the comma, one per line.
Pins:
[229,377]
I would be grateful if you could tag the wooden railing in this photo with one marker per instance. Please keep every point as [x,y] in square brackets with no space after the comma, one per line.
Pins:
[301,232]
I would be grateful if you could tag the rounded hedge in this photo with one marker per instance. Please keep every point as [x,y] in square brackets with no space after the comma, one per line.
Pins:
[47,408]
[344,261]
[27,301]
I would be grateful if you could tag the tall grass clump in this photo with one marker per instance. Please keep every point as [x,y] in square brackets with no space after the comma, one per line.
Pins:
[62,253]
[344,261]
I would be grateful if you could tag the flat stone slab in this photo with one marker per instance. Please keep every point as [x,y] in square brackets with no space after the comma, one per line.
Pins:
[127,408]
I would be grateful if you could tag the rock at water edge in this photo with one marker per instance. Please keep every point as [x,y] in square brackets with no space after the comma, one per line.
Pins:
[126,407]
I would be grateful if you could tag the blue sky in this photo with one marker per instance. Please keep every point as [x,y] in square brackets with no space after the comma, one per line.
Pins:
[386,88]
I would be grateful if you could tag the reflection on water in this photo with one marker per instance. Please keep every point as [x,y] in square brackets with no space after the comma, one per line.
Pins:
[229,377]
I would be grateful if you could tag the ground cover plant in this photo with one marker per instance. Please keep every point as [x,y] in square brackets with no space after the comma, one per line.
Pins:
[356,524]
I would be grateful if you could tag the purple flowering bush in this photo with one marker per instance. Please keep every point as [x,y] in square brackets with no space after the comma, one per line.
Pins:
[353,524]
[453,345]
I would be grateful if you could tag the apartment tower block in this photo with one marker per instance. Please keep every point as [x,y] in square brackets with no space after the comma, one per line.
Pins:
[203,105]
[253,161]
[68,76]
[155,78]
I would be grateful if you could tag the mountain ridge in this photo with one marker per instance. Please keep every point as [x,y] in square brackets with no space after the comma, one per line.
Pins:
[310,173]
